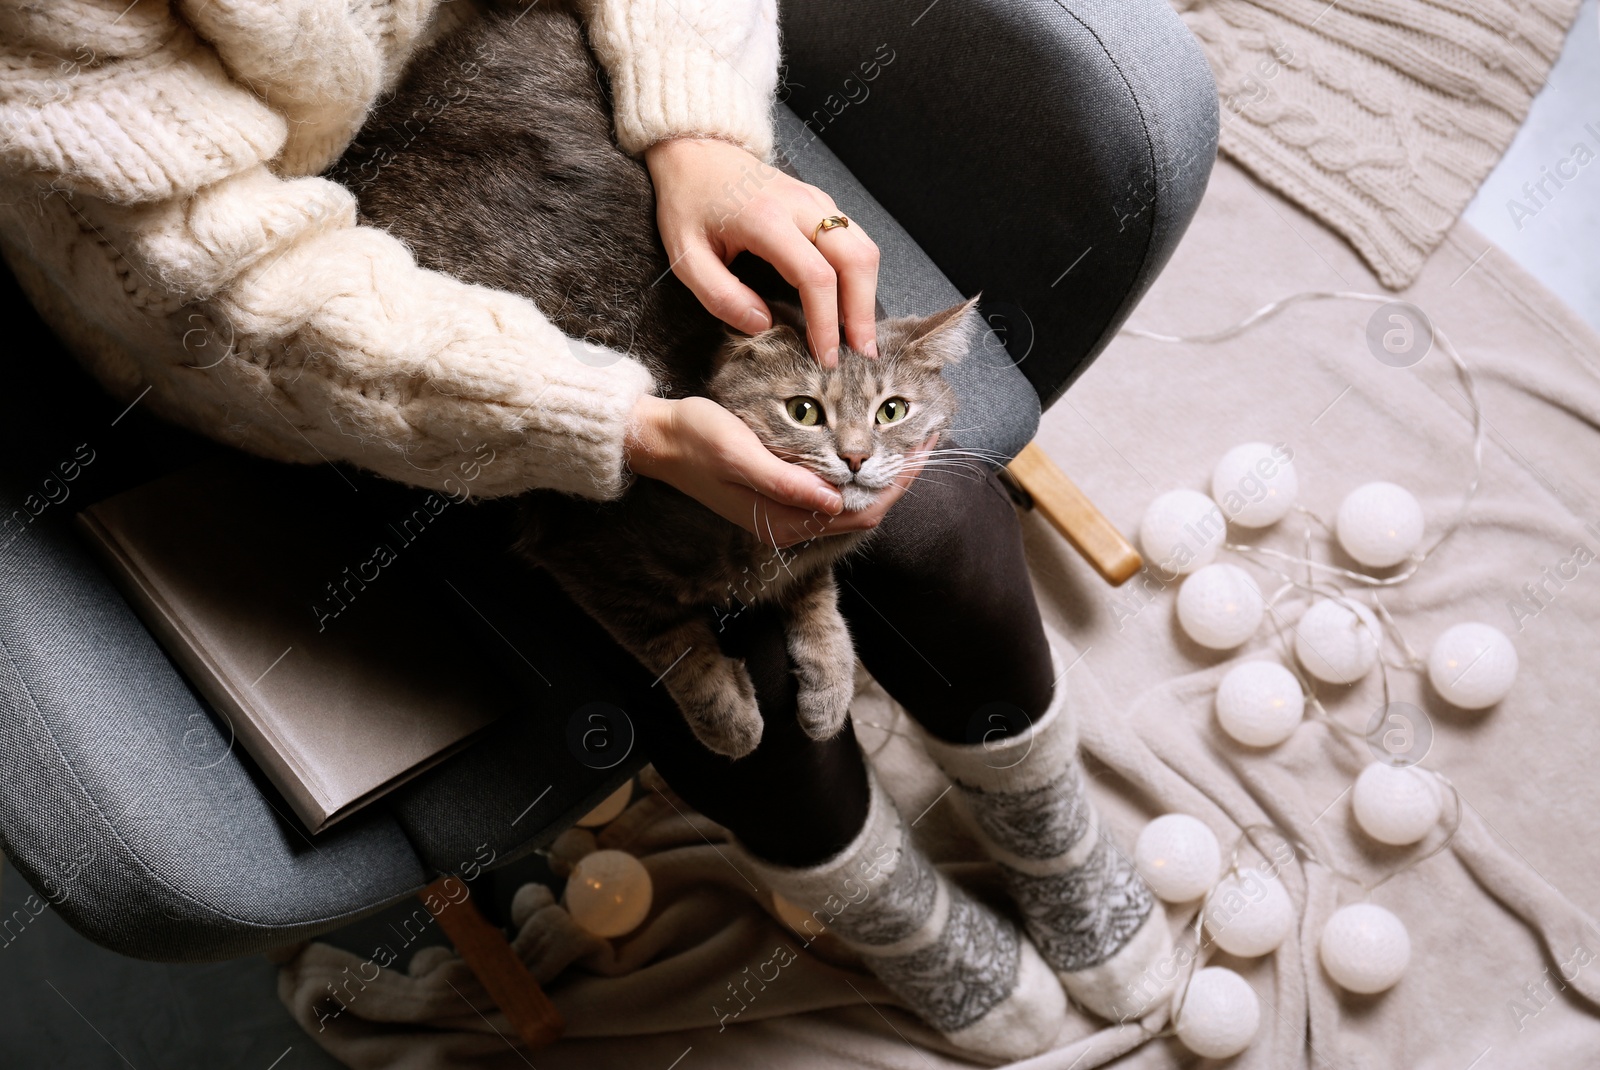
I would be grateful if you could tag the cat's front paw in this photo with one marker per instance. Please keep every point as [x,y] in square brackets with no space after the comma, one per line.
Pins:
[824,705]
[726,720]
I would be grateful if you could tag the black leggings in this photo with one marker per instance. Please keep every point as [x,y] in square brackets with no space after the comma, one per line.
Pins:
[943,615]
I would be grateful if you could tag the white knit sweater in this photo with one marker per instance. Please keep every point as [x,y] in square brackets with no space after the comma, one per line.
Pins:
[159,204]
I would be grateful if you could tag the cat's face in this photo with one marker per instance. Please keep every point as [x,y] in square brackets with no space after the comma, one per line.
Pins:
[854,425]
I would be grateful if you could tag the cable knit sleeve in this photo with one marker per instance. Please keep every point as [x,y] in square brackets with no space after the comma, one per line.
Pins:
[162,215]
[684,68]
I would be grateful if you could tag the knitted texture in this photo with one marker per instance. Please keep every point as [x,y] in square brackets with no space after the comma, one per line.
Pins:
[159,205]
[1092,917]
[1379,117]
[963,968]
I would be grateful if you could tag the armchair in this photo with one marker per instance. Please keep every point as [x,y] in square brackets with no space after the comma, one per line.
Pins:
[120,802]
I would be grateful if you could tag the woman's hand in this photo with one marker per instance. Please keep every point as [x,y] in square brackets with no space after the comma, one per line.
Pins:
[714,201]
[707,452]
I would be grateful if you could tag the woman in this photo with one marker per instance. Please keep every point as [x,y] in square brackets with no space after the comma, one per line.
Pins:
[164,214]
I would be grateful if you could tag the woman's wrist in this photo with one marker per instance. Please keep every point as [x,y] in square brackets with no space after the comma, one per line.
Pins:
[646,444]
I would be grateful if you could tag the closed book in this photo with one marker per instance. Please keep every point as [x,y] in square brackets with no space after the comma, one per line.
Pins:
[309,618]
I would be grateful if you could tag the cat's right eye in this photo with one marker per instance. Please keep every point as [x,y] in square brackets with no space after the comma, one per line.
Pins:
[807,412]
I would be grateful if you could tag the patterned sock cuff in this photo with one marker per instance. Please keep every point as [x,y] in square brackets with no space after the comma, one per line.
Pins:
[1023,762]
[865,862]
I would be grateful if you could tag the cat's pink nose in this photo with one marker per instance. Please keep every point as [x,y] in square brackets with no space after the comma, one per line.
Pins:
[854,460]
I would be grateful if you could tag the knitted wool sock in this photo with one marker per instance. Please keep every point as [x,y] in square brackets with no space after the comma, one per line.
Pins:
[1092,916]
[962,968]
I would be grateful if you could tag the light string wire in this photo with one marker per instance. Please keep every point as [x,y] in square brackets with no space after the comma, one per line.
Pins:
[1268,559]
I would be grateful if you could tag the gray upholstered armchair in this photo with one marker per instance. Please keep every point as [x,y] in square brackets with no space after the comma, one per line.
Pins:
[945,128]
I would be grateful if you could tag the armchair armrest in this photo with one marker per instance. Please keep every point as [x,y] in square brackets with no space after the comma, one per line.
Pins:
[1049,153]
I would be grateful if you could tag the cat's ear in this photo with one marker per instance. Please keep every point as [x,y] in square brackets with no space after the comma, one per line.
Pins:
[934,341]
[786,334]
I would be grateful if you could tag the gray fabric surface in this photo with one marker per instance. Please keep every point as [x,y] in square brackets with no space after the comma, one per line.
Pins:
[1048,153]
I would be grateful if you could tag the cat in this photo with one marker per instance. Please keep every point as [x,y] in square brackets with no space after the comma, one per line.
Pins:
[494,161]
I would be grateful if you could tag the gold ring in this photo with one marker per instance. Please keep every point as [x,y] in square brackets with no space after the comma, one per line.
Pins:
[829,224]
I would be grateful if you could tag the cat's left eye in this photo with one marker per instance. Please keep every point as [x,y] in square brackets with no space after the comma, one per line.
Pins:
[893,410]
[807,412]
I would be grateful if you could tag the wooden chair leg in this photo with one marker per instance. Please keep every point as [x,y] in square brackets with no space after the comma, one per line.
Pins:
[486,950]
[1070,512]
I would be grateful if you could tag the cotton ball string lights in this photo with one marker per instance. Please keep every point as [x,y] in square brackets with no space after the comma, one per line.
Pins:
[1260,704]
[1337,642]
[1396,804]
[1220,1014]
[1472,666]
[1178,857]
[1249,915]
[1365,949]
[1255,484]
[1220,606]
[1379,524]
[1181,531]
[609,808]
[609,893]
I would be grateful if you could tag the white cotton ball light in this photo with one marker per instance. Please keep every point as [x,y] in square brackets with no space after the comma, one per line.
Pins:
[1178,857]
[1220,1014]
[1181,531]
[609,893]
[1472,666]
[1249,915]
[1365,949]
[1396,804]
[1379,524]
[1220,606]
[1336,643]
[1260,704]
[609,808]
[1255,485]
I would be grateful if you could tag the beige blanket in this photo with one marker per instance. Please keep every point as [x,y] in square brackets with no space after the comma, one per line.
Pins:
[1492,919]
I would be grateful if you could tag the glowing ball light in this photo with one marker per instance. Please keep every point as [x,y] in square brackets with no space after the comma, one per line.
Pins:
[609,808]
[1365,949]
[1472,666]
[609,893]
[1181,531]
[1396,804]
[1335,643]
[1249,915]
[1379,524]
[1254,486]
[1220,1014]
[1260,704]
[1178,857]
[1220,606]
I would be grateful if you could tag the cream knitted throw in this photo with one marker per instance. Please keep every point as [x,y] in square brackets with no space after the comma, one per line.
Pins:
[1380,117]
[159,204]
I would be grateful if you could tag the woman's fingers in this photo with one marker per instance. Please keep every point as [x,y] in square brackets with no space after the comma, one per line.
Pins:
[737,457]
[719,289]
[774,238]
[854,259]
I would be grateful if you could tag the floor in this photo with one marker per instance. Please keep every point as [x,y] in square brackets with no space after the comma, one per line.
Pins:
[66,1003]
[1555,232]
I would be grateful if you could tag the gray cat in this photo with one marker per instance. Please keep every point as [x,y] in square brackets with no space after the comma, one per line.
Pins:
[495,162]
